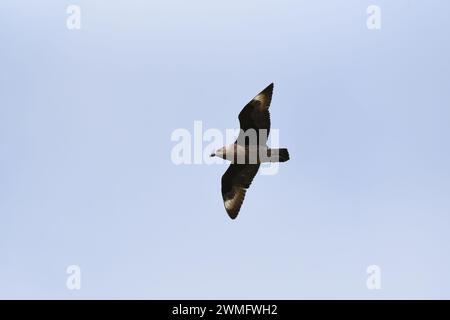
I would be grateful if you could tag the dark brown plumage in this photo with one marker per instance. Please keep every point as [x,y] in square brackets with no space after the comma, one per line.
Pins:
[236,180]
[255,115]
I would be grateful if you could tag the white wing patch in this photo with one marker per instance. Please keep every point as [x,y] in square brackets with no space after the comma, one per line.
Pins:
[236,201]
[229,203]
[260,97]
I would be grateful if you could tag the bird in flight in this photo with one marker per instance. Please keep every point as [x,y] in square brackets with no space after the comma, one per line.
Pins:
[248,151]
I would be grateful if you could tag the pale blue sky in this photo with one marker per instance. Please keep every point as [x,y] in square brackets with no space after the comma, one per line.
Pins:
[85,170]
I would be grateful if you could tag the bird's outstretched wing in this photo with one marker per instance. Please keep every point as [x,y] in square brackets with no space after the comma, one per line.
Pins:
[255,115]
[235,182]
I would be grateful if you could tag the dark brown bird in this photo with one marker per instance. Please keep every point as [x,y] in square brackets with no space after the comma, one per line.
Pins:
[248,151]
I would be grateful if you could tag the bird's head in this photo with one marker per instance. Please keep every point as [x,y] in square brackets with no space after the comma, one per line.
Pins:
[219,153]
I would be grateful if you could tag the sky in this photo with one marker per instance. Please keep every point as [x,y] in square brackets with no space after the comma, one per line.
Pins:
[87,179]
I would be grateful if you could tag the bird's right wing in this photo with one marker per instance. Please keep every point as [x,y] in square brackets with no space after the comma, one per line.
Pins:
[235,182]
[255,115]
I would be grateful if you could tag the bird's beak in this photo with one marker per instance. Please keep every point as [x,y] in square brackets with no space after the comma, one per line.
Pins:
[212,154]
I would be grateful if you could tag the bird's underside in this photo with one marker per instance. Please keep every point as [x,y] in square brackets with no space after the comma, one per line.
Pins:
[254,121]
[253,154]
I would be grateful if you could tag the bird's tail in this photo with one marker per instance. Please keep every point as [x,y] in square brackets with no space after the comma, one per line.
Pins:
[283,155]
[279,155]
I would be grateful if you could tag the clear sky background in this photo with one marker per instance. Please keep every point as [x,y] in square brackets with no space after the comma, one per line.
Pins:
[86,176]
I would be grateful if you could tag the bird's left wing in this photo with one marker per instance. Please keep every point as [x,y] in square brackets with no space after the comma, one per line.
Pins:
[235,182]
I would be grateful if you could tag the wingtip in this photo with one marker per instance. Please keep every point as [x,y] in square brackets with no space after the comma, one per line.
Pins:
[267,93]
[232,214]
[269,87]
[268,90]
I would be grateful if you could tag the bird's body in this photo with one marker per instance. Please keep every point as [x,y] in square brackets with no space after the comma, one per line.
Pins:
[249,154]
[249,151]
